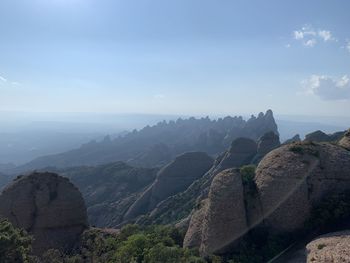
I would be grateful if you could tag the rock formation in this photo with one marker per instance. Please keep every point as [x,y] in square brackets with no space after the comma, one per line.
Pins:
[319,136]
[289,182]
[171,179]
[48,206]
[159,144]
[333,247]
[224,220]
[345,141]
[294,178]
[295,138]
[241,152]
[266,143]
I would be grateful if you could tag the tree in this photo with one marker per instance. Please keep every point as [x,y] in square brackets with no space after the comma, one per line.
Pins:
[15,244]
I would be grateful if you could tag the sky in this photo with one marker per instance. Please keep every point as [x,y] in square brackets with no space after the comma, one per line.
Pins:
[175,56]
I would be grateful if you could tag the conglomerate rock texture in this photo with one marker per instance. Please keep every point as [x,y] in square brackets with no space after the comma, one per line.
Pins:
[48,206]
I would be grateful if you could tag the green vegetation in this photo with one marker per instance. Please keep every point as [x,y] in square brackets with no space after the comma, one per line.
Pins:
[248,175]
[321,246]
[332,211]
[296,149]
[134,244]
[15,244]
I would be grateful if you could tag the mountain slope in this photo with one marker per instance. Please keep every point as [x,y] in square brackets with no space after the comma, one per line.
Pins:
[159,144]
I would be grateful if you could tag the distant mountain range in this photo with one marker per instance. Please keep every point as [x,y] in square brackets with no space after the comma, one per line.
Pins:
[157,145]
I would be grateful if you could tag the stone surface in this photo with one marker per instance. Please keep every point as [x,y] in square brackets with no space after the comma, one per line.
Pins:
[295,177]
[266,144]
[345,141]
[193,237]
[330,248]
[47,206]
[225,219]
[241,152]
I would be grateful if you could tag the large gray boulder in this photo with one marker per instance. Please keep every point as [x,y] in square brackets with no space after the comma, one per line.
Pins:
[49,207]
[294,178]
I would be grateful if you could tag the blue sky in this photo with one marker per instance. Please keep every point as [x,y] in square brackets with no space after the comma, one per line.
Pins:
[176,56]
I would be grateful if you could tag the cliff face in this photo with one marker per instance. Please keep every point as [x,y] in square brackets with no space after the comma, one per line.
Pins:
[49,207]
[289,182]
[172,179]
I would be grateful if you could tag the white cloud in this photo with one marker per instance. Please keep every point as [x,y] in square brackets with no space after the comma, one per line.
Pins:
[328,88]
[310,43]
[298,35]
[348,46]
[2,79]
[309,37]
[325,35]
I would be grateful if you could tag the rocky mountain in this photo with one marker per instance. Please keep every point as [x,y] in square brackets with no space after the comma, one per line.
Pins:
[290,184]
[159,144]
[49,207]
[243,151]
[320,136]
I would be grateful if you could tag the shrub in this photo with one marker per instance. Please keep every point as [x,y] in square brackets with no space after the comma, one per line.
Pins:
[15,244]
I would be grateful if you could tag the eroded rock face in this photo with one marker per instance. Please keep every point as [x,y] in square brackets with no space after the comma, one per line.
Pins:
[295,177]
[345,141]
[241,152]
[289,182]
[193,237]
[333,247]
[266,144]
[173,178]
[48,206]
[225,219]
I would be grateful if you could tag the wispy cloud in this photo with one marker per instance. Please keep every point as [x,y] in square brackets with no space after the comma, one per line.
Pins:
[310,43]
[348,45]
[309,36]
[328,88]
[3,79]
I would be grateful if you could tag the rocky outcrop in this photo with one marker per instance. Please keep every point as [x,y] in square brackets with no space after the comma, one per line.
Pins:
[333,247]
[345,141]
[193,237]
[241,152]
[289,182]
[319,136]
[295,138]
[173,178]
[266,143]
[294,178]
[225,219]
[48,206]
